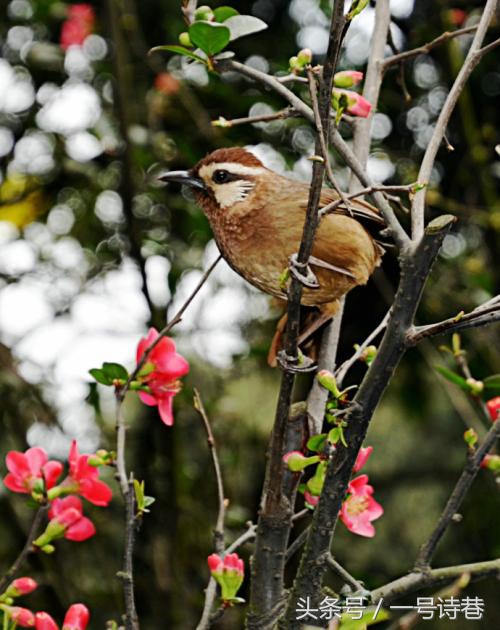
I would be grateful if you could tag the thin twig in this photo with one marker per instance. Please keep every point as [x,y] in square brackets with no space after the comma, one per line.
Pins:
[288,112]
[346,366]
[457,496]
[480,316]
[26,550]
[473,57]
[426,48]
[343,573]
[219,525]
[297,544]
[369,190]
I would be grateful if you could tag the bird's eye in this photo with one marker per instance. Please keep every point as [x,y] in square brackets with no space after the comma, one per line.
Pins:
[220,177]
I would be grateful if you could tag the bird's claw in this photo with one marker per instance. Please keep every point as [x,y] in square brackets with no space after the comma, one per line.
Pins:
[297,365]
[303,273]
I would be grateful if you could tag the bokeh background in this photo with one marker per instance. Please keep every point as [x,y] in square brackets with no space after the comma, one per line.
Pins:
[92,252]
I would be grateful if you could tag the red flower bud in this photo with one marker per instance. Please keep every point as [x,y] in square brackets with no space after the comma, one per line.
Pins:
[493,407]
[21,586]
[76,618]
[43,621]
[22,616]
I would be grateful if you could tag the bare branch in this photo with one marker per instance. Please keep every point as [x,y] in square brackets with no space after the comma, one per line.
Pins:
[342,573]
[365,191]
[426,48]
[481,316]
[346,366]
[457,496]
[417,580]
[473,57]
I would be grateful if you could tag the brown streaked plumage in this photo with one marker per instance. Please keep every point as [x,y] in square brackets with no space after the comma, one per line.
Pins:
[257,217]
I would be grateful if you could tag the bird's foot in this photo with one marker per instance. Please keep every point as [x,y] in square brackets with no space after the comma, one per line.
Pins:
[298,365]
[303,273]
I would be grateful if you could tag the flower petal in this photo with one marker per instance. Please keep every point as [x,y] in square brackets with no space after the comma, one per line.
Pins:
[43,621]
[52,471]
[17,464]
[82,529]
[77,617]
[145,342]
[36,458]
[165,408]
[96,491]
[59,505]
[147,399]
[13,483]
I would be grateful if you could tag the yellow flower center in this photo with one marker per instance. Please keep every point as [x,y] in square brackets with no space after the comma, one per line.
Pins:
[356,505]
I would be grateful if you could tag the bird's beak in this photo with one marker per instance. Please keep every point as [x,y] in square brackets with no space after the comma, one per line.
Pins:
[183,177]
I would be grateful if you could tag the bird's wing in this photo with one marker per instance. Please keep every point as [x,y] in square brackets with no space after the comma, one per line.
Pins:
[357,208]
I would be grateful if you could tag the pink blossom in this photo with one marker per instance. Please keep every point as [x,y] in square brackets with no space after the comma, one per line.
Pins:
[25,469]
[493,406]
[363,456]
[359,509]
[77,618]
[68,513]
[228,572]
[311,499]
[357,105]
[163,381]
[85,478]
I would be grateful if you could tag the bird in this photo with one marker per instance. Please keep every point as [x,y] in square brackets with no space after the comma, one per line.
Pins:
[257,218]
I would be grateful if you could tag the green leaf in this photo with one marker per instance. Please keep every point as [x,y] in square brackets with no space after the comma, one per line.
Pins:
[115,371]
[100,376]
[221,14]
[453,377]
[211,37]
[317,442]
[348,623]
[492,382]
[242,25]
[179,50]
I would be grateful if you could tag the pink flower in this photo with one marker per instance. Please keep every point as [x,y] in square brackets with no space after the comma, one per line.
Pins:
[43,621]
[76,618]
[359,509]
[493,407]
[163,380]
[78,26]
[347,78]
[22,616]
[357,105]
[85,478]
[228,572]
[66,519]
[362,458]
[25,469]
[21,586]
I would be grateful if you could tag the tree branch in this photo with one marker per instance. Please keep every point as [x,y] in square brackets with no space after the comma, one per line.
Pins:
[288,112]
[457,496]
[339,570]
[473,57]
[417,580]
[426,48]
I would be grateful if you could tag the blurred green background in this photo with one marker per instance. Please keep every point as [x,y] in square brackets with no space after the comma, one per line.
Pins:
[92,252]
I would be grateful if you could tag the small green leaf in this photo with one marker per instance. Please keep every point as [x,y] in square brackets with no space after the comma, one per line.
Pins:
[179,50]
[221,14]
[356,7]
[242,25]
[100,376]
[334,435]
[211,37]
[452,377]
[492,382]
[115,371]
[348,623]
[316,443]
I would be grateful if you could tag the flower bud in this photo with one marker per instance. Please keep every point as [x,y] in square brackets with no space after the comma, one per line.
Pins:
[470,437]
[327,380]
[21,616]
[357,105]
[185,40]
[21,586]
[294,64]
[304,57]
[347,78]
[204,13]
[491,462]
[493,407]
[228,572]
[43,621]
[77,617]
[311,499]
[297,461]
[215,564]
[475,387]
[369,354]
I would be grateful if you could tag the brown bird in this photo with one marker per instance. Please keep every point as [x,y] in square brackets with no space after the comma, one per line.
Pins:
[257,218]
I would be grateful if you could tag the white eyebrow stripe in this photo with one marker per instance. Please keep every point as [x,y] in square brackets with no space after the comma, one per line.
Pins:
[232,167]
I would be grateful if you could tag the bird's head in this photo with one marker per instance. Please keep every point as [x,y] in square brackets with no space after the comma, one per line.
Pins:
[223,181]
